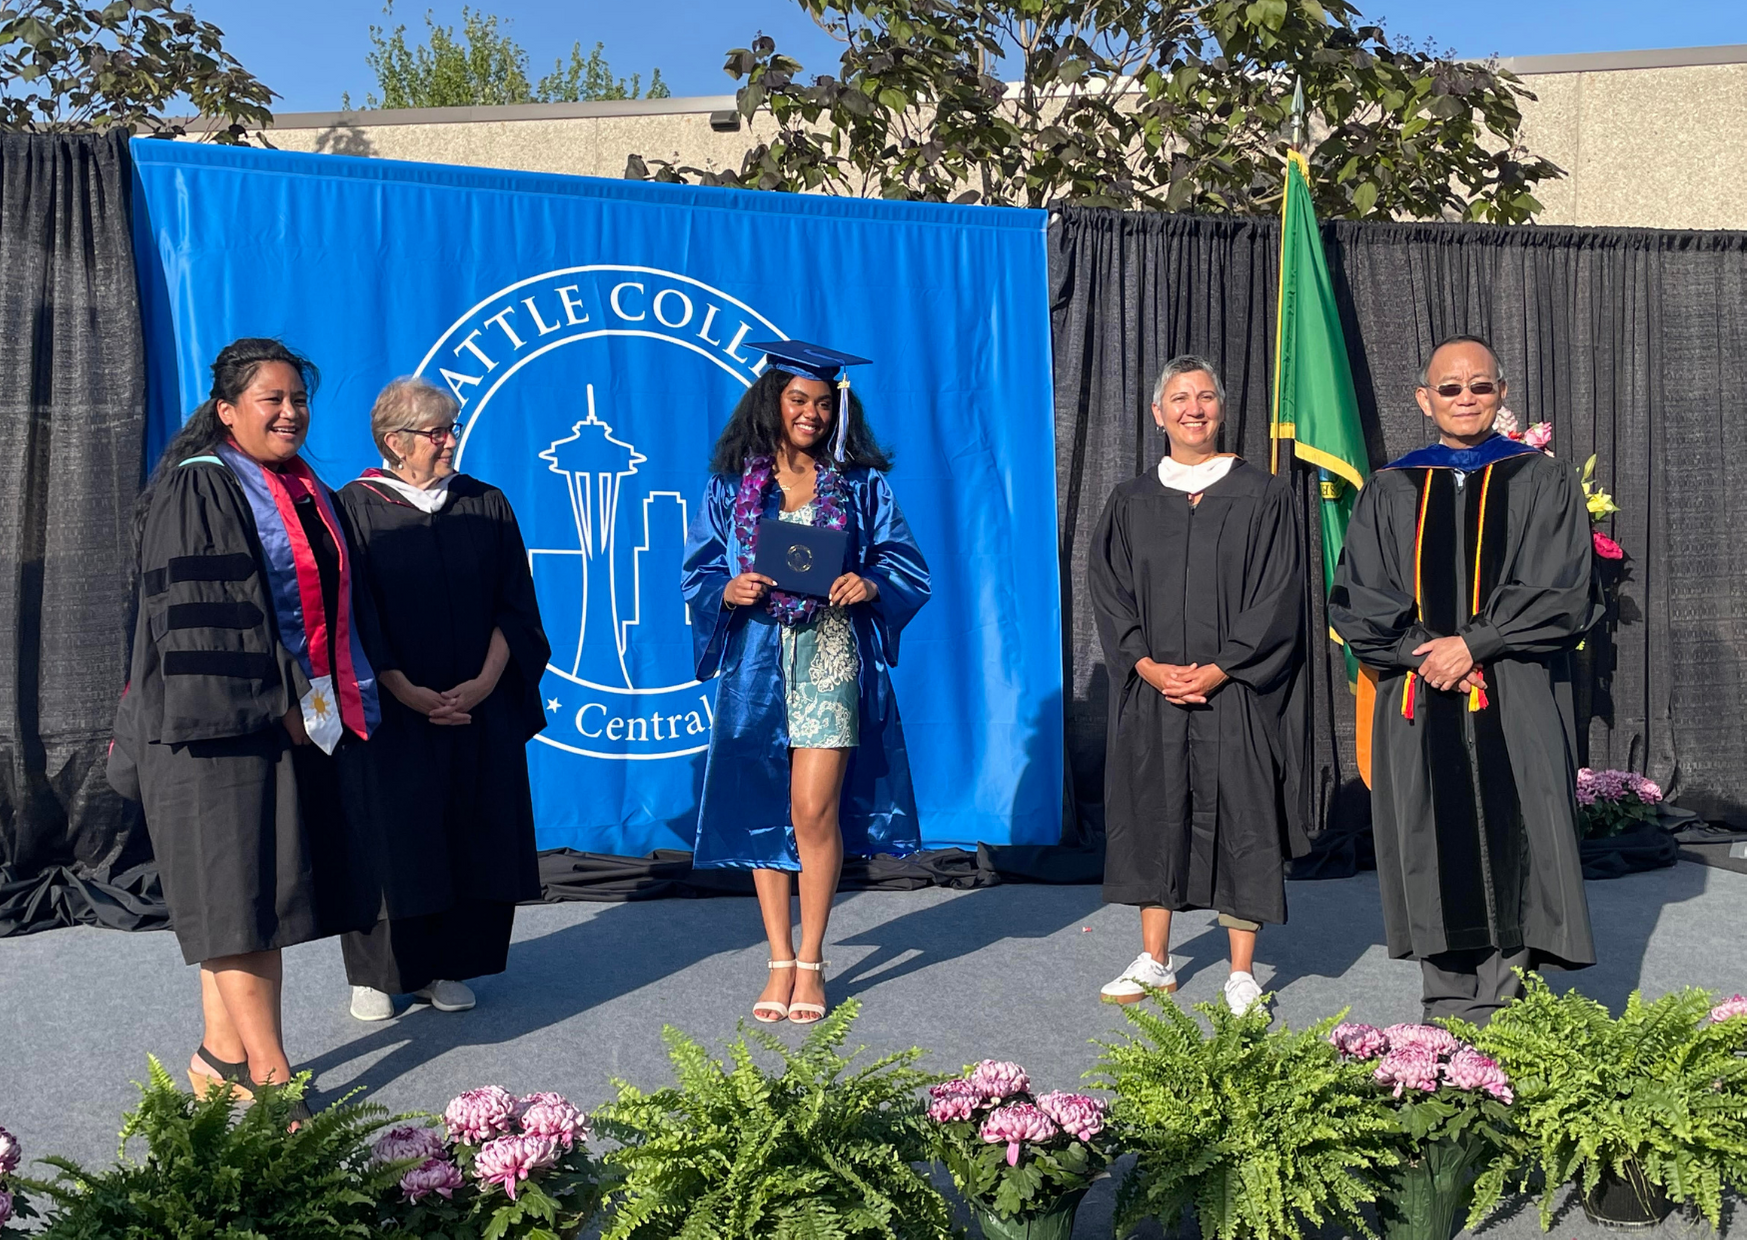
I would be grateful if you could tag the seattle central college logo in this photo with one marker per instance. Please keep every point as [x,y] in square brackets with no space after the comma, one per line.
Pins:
[591,396]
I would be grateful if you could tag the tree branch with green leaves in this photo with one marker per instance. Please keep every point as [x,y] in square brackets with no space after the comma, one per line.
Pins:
[67,67]
[1180,105]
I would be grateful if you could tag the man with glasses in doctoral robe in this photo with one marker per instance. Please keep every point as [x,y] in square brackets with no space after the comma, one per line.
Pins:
[1464,586]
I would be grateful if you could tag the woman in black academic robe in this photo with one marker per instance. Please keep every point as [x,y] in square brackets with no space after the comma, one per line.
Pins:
[243,726]
[1195,578]
[446,567]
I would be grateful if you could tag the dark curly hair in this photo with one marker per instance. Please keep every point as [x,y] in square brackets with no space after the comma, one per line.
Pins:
[232,371]
[756,429]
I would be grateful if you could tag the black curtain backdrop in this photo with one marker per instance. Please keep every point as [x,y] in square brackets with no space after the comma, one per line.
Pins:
[1633,343]
[72,418]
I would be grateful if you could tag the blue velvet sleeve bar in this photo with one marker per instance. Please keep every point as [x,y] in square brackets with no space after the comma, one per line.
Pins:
[707,572]
[891,560]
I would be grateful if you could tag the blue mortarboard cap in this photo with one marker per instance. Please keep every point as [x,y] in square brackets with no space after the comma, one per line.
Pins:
[815,361]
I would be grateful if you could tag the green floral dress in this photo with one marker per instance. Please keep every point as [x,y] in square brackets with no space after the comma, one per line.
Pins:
[821,673]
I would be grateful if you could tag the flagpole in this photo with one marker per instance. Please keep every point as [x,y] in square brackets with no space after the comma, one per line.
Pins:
[1296,142]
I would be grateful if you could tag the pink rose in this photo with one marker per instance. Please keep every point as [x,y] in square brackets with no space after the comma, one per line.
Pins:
[434,1175]
[9,1151]
[5,1206]
[1606,547]
[1539,436]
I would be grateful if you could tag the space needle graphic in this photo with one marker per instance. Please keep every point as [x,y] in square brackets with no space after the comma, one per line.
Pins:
[593,464]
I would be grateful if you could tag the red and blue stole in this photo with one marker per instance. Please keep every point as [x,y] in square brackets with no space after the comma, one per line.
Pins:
[342,691]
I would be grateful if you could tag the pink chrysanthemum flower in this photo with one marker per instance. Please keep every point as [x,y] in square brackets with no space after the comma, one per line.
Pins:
[9,1152]
[1469,1069]
[1079,1114]
[1429,1038]
[1409,1067]
[480,1114]
[996,1079]
[434,1175]
[1356,1041]
[1729,1009]
[510,1160]
[552,1115]
[1016,1124]
[953,1100]
[408,1142]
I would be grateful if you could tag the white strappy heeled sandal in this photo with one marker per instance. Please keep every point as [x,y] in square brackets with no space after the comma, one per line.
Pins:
[780,1010]
[815,1012]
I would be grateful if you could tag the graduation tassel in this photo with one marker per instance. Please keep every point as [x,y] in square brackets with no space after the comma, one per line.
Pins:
[1477,699]
[1407,696]
[841,439]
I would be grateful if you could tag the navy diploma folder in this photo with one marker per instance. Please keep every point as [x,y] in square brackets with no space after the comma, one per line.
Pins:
[801,559]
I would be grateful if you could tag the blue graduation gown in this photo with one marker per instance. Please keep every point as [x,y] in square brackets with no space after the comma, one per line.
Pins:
[743,816]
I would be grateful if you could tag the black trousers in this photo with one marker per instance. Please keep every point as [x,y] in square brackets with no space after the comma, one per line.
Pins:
[403,954]
[1471,985]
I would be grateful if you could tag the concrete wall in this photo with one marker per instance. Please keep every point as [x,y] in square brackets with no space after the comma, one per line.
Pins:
[1648,139]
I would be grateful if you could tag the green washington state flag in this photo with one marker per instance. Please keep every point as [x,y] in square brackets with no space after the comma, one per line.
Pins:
[1314,403]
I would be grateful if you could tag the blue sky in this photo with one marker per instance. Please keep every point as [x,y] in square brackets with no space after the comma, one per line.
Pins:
[312,50]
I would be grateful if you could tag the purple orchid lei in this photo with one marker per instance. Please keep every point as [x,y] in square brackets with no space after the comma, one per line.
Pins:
[830,512]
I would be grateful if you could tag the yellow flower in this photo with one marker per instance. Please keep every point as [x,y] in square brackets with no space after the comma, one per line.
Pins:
[1601,504]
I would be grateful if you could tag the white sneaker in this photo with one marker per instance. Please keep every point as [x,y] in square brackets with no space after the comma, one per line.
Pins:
[446,996]
[1242,993]
[1132,985]
[371,1004]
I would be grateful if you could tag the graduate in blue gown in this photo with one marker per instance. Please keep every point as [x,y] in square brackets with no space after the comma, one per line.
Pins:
[807,756]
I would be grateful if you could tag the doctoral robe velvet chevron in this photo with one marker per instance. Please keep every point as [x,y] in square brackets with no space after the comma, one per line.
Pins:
[743,815]
[1474,810]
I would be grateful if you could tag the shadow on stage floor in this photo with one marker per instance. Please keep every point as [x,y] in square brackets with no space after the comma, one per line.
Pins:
[557,976]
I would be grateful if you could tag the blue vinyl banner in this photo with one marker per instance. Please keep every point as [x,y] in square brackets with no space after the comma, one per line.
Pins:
[595,333]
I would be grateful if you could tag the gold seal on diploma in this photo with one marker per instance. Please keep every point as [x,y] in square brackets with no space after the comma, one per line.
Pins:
[800,558]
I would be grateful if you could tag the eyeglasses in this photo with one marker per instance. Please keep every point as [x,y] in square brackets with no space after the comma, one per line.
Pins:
[1480,387]
[437,435]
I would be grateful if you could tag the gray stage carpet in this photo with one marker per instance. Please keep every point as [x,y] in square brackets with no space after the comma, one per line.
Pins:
[1006,972]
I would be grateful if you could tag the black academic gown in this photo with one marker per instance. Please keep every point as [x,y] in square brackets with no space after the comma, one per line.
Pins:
[261,844]
[1474,811]
[453,803]
[1203,803]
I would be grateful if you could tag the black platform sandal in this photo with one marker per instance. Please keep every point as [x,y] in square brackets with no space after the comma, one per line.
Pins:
[233,1075]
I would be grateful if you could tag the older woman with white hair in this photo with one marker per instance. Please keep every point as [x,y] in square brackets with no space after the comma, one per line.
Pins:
[444,560]
[1197,584]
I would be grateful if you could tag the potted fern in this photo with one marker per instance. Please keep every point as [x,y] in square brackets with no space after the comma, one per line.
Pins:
[1023,1162]
[1456,1140]
[1644,1112]
[1261,1133]
[735,1152]
[209,1171]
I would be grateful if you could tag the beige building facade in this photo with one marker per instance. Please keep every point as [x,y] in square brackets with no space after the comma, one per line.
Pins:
[1652,139]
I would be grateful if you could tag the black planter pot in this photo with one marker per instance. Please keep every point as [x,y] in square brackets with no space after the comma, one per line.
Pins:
[1628,1202]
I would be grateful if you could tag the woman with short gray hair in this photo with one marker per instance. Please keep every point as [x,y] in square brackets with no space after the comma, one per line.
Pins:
[444,559]
[1197,585]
